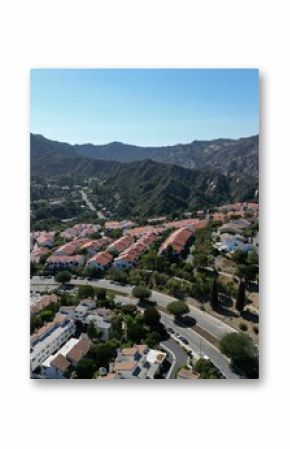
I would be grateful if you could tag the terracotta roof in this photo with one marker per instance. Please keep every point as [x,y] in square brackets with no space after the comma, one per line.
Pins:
[60,363]
[186,374]
[43,302]
[125,366]
[63,259]
[79,350]
[129,351]
[177,239]
[102,258]
[141,348]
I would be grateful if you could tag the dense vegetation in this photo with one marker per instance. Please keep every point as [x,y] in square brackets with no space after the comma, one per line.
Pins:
[145,187]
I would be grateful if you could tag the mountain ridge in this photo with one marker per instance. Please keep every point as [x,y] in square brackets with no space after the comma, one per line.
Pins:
[229,156]
[143,187]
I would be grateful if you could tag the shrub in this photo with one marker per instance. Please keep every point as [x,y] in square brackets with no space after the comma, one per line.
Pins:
[243,327]
[178,308]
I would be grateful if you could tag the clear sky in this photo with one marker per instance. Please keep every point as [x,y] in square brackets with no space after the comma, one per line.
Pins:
[144,106]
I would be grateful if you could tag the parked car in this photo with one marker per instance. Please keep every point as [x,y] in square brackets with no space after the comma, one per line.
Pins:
[184,340]
[170,330]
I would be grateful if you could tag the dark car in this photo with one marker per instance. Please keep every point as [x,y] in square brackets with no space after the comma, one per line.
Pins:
[184,340]
[170,330]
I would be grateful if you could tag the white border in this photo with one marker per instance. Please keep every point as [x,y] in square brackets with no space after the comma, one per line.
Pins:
[144,34]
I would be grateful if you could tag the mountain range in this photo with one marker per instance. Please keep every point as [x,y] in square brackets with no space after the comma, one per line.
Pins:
[143,182]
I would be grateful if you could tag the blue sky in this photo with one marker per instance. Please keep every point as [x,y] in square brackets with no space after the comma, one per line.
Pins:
[144,106]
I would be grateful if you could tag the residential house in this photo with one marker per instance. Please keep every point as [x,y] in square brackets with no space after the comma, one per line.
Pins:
[41,302]
[79,351]
[119,245]
[80,230]
[37,253]
[70,248]
[138,362]
[100,261]
[177,240]
[93,246]
[45,239]
[56,365]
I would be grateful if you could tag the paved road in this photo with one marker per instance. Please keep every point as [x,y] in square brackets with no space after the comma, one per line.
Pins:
[180,356]
[91,206]
[87,201]
[201,347]
[206,321]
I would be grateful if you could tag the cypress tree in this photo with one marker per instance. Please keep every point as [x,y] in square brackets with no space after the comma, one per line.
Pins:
[241,298]
[214,300]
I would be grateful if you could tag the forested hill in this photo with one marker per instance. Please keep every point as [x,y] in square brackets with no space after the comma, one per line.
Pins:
[145,187]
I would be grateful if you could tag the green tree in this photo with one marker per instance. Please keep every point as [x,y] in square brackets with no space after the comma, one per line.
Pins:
[253,258]
[153,339]
[141,292]
[207,370]
[118,276]
[241,298]
[247,272]
[117,323]
[242,352]
[91,331]
[86,368]
[214,299]
[240,256]
[101,294]
[46,315]
[86,291]
[135,331]
[178,308]
[201,260]
[151,317]
[129,309]
[35,323]
[33,269]
[64,277]
[104,353]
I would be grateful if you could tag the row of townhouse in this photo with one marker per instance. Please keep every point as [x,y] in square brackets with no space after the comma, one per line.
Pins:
[55,262]
[70,248]
[56,365]
[49,338]
[130,256]
[100,261]
[93,246]
[120,245]
[80,230]
[177,240]
[136,362]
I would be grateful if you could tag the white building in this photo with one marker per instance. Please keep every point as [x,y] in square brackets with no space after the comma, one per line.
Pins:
[55,365]
[49,338]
